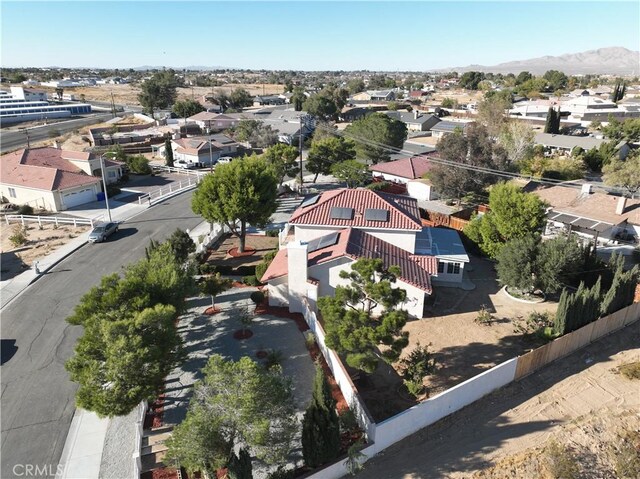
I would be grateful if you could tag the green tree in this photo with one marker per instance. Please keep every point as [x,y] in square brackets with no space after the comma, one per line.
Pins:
[249,405]
[352,172]
[298,98]
[492,113]
[556,80]
[159,91]
[240,98]
[449,103]
[213,286]
[352,329]
[523,77]
[514,214]
[516,262]
[320,425]
[321,107]
[471,80]
[256,133]
[326,152]
[552,123]
[623,287]
[198,443]
[373,134]
[471,150]
[186,108]
[122,359]
[356,85]
[624,174]
[168,152]
[138,164]
[181,245]
[558,263]
[239,193]
[282,159]
[577,309]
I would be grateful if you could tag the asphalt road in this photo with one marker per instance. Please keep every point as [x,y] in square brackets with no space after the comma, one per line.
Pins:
[11,139]
[37,396]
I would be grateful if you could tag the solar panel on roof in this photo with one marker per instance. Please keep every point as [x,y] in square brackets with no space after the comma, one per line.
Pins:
[322,242]
[310,201]
[376,214]
[338,213]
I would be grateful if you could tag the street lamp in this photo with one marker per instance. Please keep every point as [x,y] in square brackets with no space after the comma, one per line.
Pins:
[104,183]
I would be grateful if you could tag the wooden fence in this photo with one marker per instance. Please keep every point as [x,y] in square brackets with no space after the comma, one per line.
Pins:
[567,344]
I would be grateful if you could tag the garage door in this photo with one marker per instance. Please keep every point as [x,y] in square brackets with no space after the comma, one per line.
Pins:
[78,198]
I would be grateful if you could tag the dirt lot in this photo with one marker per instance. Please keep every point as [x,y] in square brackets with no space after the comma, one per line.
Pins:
[580,401]
[40,242]
[242,266]
[128,94]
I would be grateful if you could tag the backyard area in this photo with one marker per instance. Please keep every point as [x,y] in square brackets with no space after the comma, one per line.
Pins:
[461,346]
[241,265]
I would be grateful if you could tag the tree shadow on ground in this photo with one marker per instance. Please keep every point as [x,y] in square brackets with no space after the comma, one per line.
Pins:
[461,442]
[12,265]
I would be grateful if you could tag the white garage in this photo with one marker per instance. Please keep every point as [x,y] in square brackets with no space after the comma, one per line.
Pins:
[79,197]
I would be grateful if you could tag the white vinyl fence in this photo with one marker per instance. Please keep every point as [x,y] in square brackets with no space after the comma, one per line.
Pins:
[57,220]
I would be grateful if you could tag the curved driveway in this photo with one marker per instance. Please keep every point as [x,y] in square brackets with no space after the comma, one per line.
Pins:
[37,396]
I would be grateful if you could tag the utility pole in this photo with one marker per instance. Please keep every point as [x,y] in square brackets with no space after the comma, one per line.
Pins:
[26,132]
[210,150]
[300,144]
[104,183]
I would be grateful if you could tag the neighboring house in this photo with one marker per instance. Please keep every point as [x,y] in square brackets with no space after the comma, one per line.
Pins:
[335,228]
[195,151]
[418,94]
[409,172]
[50,178]
[227,146]
[415,120]
[595,216]
[268,100]
[354,113]
[213,121]
[566,143]
[444,128]
[445,244]
[374,95]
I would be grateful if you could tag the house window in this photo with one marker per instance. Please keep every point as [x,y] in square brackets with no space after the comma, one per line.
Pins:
[453,268]
[112,174]
[12,192]
[440,267]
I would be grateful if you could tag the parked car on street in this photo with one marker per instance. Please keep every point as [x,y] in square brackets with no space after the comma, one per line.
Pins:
[184,164]
[102,231]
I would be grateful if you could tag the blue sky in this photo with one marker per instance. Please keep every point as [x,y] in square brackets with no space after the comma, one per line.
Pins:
[308,35]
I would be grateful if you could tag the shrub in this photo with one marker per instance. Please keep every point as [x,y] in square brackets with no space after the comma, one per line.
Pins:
[139,164]
[261,267]
[250,280]
[282,473]
[273,232]
[257,297]
[630,370]
[484,316]
[113,190]
[378,185]
[25,210]
[224,269]
[19,236]
[309,339]
[418,364]
[206,268]
[560,462]
[625,454]
[348,421]
[274,358]
[416,388]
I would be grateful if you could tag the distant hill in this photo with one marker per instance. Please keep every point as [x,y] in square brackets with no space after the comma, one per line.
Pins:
[192,68]
[612,61]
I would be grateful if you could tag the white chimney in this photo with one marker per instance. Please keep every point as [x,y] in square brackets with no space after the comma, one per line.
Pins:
[622,204]
[297,275]
[55,144]
[586,189]
[416,114]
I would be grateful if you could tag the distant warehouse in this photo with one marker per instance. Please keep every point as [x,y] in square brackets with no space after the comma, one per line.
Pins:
[17,106]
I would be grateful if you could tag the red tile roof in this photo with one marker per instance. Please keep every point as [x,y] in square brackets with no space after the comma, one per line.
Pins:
[410,168]
[403,210]
[353,243]
[42,169]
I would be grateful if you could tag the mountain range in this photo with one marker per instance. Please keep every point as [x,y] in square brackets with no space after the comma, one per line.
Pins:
[611,60]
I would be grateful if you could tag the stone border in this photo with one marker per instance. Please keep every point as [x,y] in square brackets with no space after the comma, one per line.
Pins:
[520,300]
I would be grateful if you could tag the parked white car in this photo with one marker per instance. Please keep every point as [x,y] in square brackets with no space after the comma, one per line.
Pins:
[183,164]
[225,159]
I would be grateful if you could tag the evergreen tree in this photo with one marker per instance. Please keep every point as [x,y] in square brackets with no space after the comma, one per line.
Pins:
[556,127]
[320,426]
[168,152]
[549,123]
[239,466]
[622,290]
